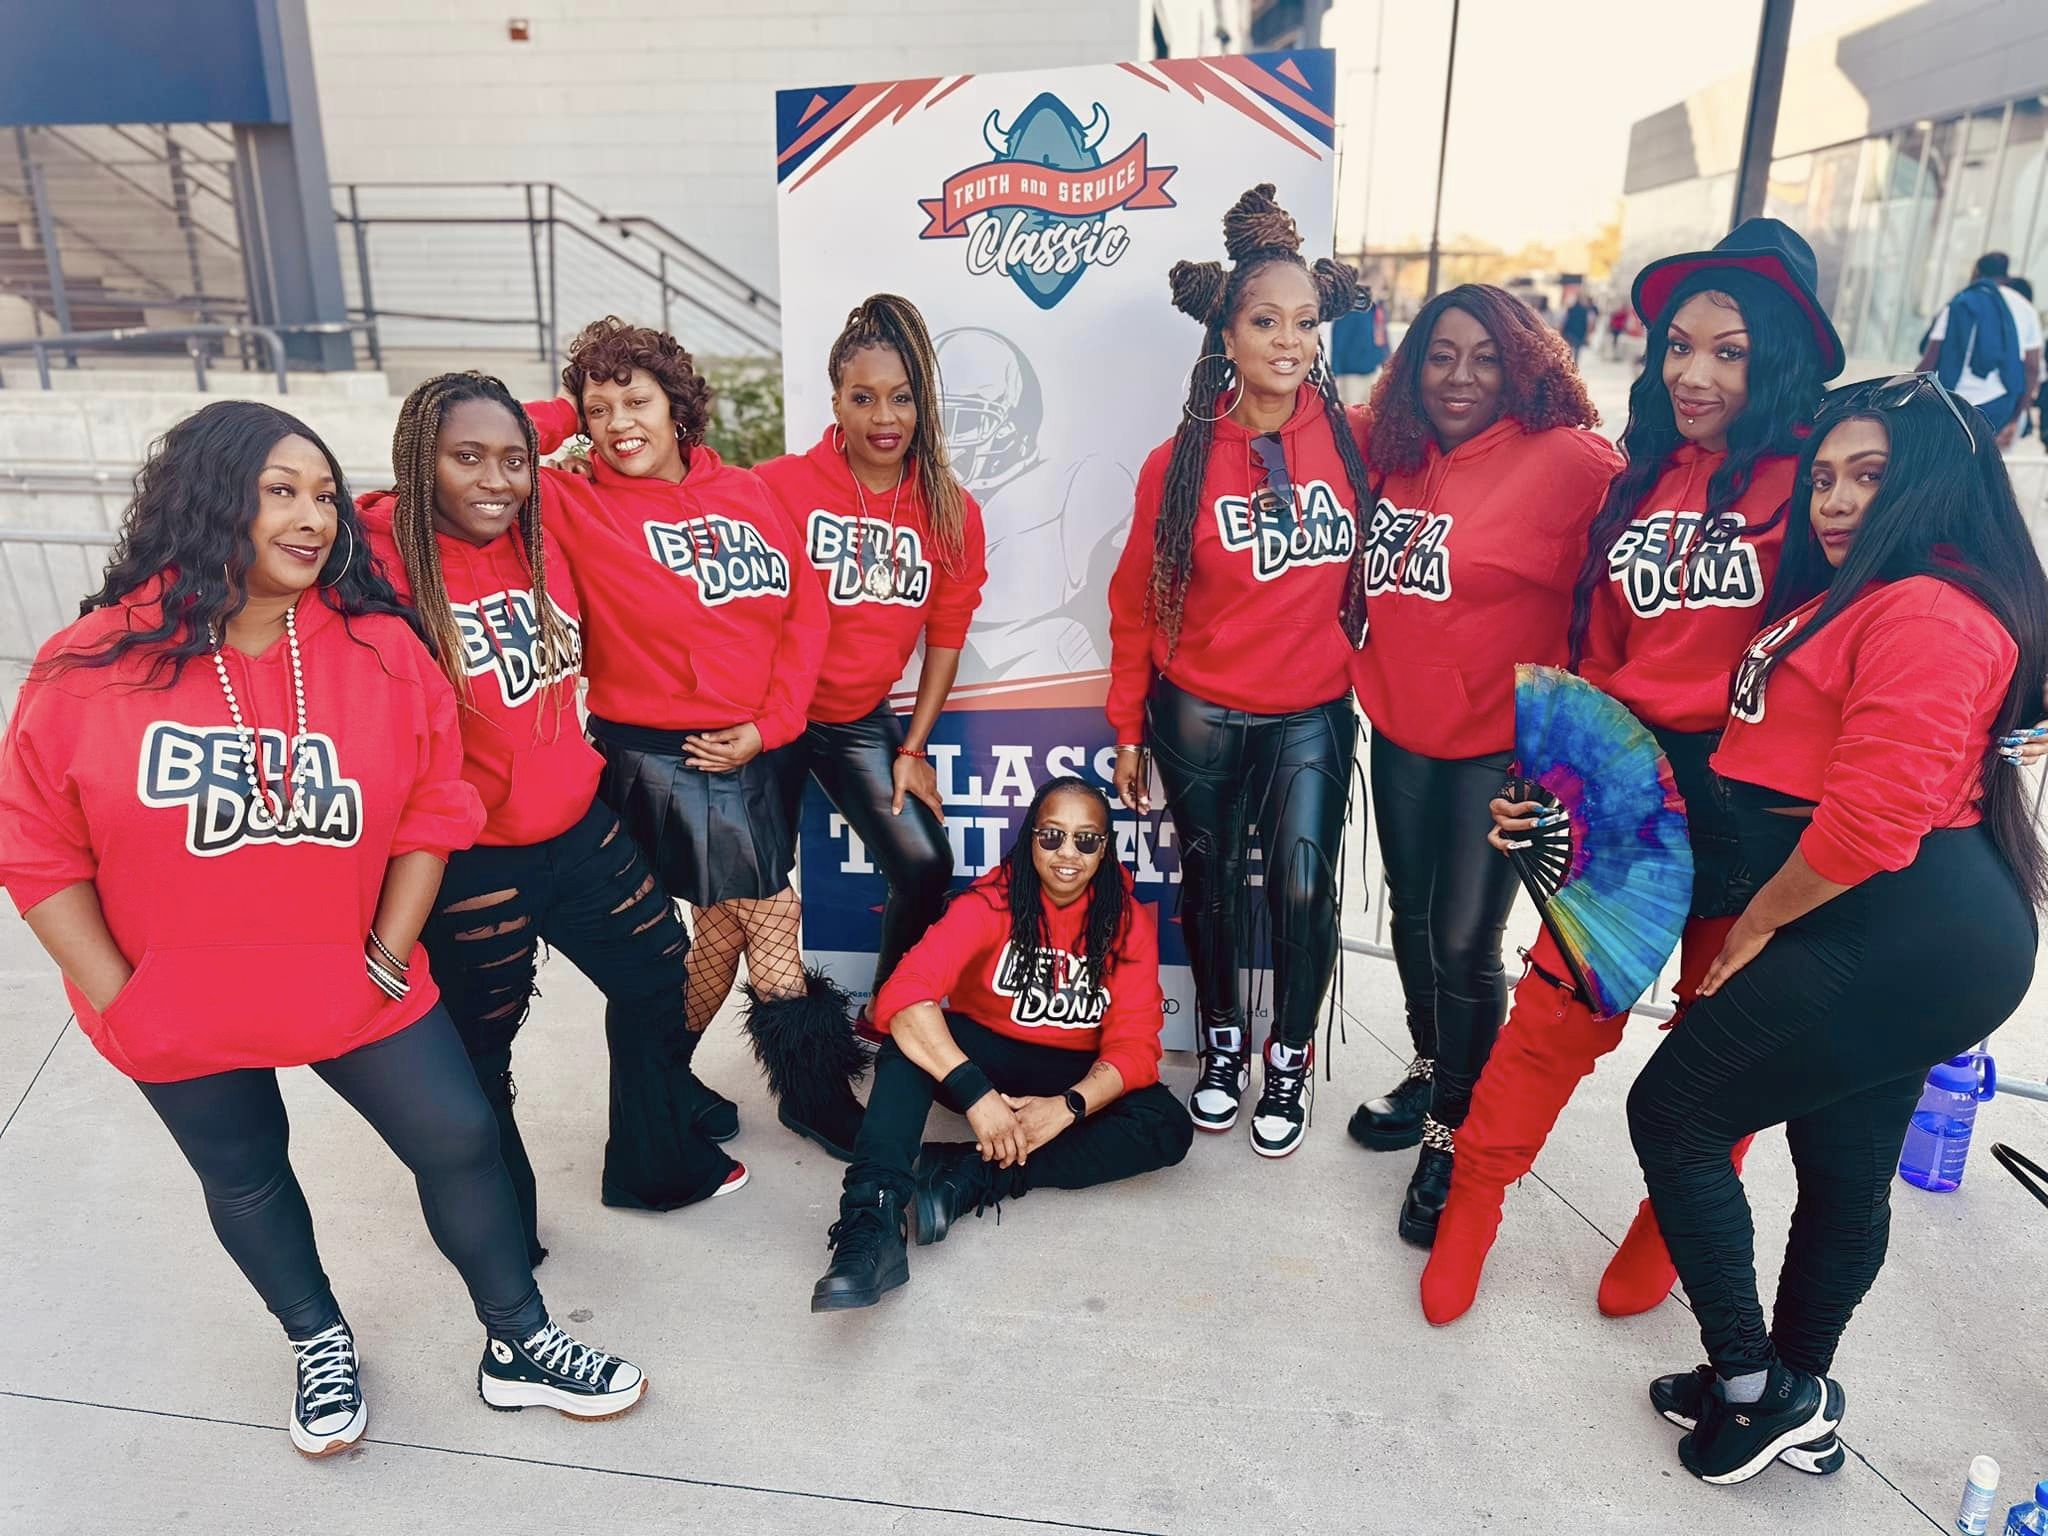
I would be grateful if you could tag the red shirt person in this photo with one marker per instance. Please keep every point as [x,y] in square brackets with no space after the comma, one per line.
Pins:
[702,641]
[896,547]
[225,799]
[1032,1007]
[1229,651]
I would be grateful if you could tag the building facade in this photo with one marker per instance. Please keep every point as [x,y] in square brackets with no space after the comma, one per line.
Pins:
[1906,147]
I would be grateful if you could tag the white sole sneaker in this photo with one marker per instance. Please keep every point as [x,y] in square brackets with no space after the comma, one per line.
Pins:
[308,1444]
[1283,1149]
[1214,1125]
[510,1396]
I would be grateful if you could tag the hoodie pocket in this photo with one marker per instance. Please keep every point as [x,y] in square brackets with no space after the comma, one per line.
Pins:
[216,1007]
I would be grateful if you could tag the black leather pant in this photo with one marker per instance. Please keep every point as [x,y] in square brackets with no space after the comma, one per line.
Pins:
[1225,769]
[854,763]
[1448,896]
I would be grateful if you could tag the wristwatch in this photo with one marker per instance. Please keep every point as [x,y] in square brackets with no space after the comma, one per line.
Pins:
[1076,1103]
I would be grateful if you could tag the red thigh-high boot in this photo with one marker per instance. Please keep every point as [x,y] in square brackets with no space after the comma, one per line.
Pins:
[1641,1274]
[1550,1042]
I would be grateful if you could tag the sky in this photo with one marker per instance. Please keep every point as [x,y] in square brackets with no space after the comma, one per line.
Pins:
[1544,96]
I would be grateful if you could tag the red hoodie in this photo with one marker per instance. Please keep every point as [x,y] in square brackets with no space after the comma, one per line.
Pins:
[965,960]
[1882,718]
[850,534]
[692,617]
[1665,642]
[1259,624]
[246,938]
[522,743]
[1470,561]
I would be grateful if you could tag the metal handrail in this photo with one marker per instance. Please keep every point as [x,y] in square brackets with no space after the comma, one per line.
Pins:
[272,336]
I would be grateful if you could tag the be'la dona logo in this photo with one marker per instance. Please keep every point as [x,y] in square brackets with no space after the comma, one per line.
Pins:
[1045,208]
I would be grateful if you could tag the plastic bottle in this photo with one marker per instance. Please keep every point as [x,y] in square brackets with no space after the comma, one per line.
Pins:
[1973,1515]
[1938,1139]
[2029,1518]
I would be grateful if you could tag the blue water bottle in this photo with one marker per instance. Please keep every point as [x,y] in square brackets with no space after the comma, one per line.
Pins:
[2029,1518]
[1938,1140]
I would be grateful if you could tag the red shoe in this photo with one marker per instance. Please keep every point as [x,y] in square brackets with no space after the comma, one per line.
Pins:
[1464,1236]
[734,1181]
[1641,1274]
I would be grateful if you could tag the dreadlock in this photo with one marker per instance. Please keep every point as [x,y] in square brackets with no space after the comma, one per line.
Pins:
[885,320]
[1257,233]
[1108,909]
[415,457]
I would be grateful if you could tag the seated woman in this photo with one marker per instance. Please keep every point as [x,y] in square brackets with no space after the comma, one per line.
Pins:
[1050,1047]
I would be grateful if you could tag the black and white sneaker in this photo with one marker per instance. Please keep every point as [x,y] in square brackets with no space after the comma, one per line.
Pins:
[1680,1398]
[328,1412]
[1733,1442]
[552,1370]
[1280,1118]
[1226,1073]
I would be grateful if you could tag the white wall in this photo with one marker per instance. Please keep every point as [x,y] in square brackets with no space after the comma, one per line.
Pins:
[664,108]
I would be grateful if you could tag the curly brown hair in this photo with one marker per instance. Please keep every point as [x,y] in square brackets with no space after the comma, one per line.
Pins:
[1540,388]
[610,349]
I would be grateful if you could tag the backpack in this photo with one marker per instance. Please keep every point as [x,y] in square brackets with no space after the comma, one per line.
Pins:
[1982,336]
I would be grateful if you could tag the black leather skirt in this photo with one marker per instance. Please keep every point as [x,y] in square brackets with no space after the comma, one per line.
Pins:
[711,837]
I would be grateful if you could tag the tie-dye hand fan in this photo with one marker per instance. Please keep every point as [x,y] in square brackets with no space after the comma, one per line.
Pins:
[1613,880]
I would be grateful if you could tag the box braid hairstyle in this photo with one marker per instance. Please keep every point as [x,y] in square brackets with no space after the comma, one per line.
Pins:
[1257,233]
[415,451]
[886,320]
[1108,900]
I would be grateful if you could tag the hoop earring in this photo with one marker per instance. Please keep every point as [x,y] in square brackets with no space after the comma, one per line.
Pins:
[1231,382]
[840,446]
[345,564]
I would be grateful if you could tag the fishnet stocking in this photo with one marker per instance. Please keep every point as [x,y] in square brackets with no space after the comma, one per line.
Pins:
[715,953]
[768,933]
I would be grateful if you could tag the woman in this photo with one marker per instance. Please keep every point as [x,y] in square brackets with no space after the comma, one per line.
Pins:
[1047,968]
[1489,478]
[1228,654]
[1895,924]
[895,543]
[1675,576]
[702,647]
[462,539]
[224,804]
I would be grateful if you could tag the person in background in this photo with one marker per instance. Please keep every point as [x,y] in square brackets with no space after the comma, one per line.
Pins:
[1617,329]
[1985,345]
[2030,416]
[463,540]
[1896,922]
[1577,324]
[1358,346]
[1033,1008]
[225,799]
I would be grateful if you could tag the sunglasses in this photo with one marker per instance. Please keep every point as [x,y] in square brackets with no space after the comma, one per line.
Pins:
[1053,839]
[1276,490]
[1896,391]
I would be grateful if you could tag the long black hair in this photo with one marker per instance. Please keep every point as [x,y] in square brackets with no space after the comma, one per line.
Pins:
[1946,510]
[1784,392]
[195,500]
[1108,907]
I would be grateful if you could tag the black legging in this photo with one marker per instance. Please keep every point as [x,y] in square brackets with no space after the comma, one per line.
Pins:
[1448,896]
[853,764]
[417,1091]
[1829,1031]
[1224,769]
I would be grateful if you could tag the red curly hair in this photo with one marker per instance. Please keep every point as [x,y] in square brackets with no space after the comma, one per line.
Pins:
[1540,387]
[610,349]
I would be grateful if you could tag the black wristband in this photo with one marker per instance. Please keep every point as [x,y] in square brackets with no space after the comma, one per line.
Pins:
[966,1085]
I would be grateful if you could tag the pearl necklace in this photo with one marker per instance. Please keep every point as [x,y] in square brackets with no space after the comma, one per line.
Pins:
[259,791]
[880,578]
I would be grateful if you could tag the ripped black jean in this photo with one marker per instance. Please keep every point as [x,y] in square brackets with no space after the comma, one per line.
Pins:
[590,893]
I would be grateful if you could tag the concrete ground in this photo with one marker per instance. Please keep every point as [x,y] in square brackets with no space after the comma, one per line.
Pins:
[1231,1345]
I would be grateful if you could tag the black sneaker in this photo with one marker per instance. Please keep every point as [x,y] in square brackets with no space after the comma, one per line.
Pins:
[1280,1118]
[716,1118]
[869,1258]
[1226,1073]
[1679,1398]
[952,1180]
[328,1412]
[1394,1122]
[1429,1186]
[1732,1442]
[552,1370]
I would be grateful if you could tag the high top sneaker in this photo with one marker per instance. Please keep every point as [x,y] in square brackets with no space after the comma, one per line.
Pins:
[1429,1186]
[1226,1073]
[869,1258]
[1682,1399]
[1280,1118]
[328,1412]
[549,1369]
[1394,1120]
[952,1180]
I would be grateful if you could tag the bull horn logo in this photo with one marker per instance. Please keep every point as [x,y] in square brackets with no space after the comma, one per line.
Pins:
[1098,125]
[998,137]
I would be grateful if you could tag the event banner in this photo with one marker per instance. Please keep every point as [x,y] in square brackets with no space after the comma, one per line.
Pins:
[1032,217]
